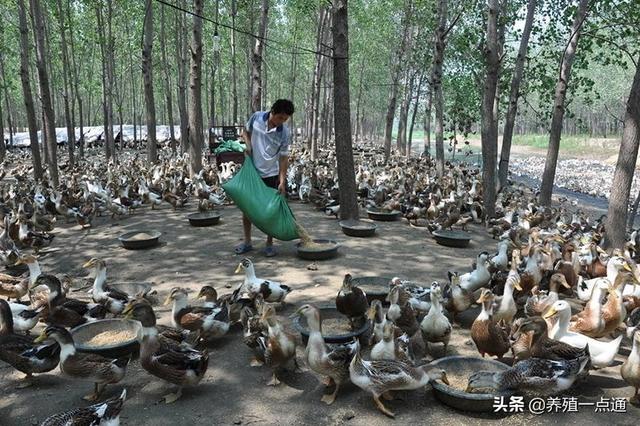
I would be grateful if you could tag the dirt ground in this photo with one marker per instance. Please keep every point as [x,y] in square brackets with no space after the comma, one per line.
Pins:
[232,392]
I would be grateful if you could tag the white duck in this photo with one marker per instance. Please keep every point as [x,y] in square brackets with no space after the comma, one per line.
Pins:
[507,308]
[501,260]
[435,326]
[386,346]
[114,300]
[532,273]
[601,353]
[417,293]
[614,265]
[479,277]
[630,370]
[460,299]
[272,291]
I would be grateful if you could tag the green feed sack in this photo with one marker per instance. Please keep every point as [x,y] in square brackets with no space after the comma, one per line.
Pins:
[265,207]
[229,146]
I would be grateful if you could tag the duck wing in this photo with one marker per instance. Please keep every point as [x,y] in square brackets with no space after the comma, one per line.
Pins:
[101,413]
[116,294]
[341,354]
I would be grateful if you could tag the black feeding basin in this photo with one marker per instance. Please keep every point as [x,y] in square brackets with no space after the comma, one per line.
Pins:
[383,216]
[330,315]
[358,228]
[204,218]
[121,341]
[318,249]
[136,240]
[376,288]
[458,369]
[450,238]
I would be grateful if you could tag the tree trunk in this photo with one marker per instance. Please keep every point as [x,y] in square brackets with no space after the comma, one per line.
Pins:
[264,95]
[25,47]
[167,81]
[181,52]
[489,121]
[395,76]
[45,91]
[196,133]
[110,78]
[514,94]
[234,72]
[132,75]
[404,115]
[256,59]
[315,88]
[436,83]
[76,82]
[342,111]
[7,104]
[147,73]
[427,124]
[3,146]
[105,78]
[66,74]
[358,126]
[546,188]
[625,168]
[413,116]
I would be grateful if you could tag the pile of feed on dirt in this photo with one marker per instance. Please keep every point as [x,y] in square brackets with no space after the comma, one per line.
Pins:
[335,326]
[361,226]
[110,338]
[140,236]
[308,243]
[460,382]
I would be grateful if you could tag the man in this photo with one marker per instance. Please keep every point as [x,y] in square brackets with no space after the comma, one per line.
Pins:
[267,141]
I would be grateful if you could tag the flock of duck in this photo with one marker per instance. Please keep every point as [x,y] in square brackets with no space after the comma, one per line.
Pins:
[549,294]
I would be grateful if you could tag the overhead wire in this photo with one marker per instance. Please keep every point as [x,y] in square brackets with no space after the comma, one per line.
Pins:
[298,50]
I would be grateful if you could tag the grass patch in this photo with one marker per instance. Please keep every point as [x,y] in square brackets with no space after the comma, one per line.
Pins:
[575,144]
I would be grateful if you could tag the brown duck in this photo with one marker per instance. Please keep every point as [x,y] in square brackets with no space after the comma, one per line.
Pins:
[489,336]
[351,301]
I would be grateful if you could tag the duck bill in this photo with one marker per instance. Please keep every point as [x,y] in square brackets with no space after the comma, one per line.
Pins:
[238,269]
[128,310]
[551,312]
[34,285]
[564,283]
[517,285]
[296,314]
[41,338]
[88,264]
[483,296]
[445,379]
[167,301]
[371,313]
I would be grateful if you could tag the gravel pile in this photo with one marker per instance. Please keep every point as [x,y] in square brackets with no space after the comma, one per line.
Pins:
[587,176]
